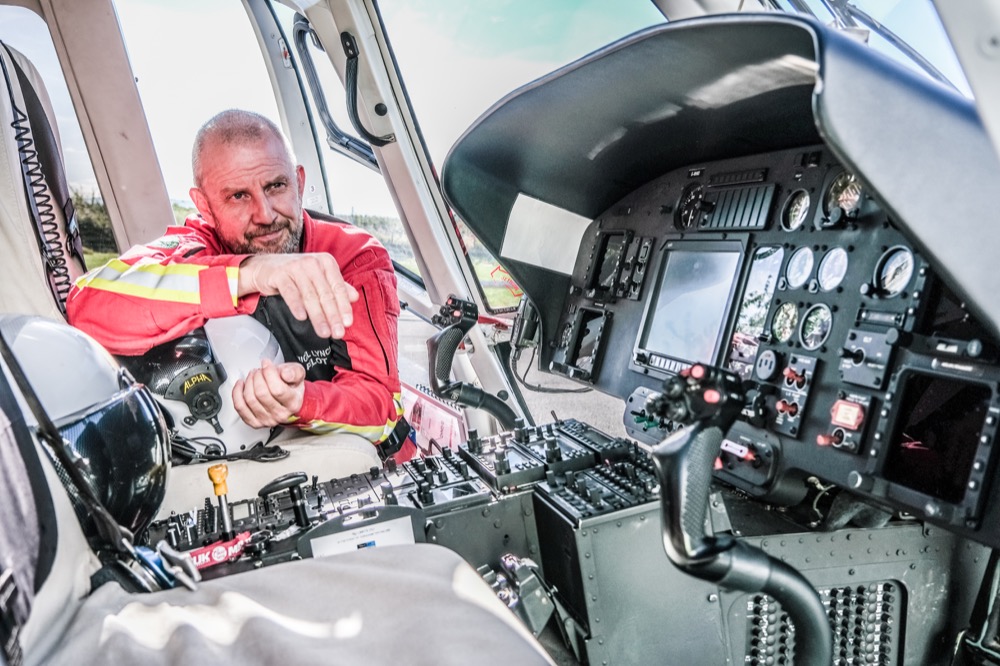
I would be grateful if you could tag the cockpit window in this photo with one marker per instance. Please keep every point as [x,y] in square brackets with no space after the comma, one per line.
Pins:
[26,32]
[458,58]
[357,190]
[908,32]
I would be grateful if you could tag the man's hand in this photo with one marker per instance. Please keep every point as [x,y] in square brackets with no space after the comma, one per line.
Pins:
[311,285]
[271,394]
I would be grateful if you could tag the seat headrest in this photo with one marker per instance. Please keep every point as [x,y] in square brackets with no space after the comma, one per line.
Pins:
[37,223]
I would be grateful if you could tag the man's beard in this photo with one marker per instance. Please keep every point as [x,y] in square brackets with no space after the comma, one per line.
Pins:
[246,245]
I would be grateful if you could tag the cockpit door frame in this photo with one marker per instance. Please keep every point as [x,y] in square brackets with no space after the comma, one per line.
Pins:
[404,163]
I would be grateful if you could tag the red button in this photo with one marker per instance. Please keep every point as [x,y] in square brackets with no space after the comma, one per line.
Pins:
[698,371]
[847,414]
[711,396]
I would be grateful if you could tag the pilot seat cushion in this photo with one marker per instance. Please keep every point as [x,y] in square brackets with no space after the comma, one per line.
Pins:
[419,604]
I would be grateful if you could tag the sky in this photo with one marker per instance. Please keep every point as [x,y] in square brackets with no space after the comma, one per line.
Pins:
[457,57]
[188,70]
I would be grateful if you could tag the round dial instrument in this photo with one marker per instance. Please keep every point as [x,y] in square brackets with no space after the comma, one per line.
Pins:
[845,193]
[689,207]
[786,319]
[799,267]
[816,325]
[832,269]
[894,271]
[796,209]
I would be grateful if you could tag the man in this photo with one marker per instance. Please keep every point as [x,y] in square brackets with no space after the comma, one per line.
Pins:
[325,289]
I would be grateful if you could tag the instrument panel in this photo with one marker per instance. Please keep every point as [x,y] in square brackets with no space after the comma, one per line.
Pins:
[861,367]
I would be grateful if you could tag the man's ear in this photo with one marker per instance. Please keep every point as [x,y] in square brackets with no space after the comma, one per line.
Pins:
[300,175]
[201,203]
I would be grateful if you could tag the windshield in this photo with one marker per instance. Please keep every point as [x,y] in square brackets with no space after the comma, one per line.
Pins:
[458,58]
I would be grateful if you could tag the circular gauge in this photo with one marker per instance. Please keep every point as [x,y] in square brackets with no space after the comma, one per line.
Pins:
[785,321]
[689,207]
[816,324]
[894,271]
[845,193]
[799,268]
[793,215]
[832,269]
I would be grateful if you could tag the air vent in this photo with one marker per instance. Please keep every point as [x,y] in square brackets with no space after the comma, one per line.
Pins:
[743,208]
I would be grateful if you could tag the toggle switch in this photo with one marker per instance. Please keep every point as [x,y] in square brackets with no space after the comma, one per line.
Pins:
[794,377]
[785,407]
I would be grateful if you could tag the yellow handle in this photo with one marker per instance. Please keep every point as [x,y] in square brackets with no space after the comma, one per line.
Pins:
[218,474]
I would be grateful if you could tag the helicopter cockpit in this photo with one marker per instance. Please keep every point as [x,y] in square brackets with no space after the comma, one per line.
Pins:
[735,227]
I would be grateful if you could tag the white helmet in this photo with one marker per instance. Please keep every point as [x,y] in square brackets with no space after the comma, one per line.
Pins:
[112,424]
[193,378]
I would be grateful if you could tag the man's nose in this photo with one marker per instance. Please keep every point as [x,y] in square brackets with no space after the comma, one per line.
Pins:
[263,212]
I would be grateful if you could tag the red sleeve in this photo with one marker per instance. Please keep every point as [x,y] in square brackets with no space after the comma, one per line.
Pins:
[157,292]
[366,399]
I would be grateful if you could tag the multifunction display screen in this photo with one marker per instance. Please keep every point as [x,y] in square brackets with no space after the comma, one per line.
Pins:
[688,313]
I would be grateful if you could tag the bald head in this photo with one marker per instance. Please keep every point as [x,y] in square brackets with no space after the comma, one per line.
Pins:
[247,185]
[233,127]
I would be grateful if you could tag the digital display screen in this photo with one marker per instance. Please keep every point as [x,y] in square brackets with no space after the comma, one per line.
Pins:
[935,443]
[752,316]
[688,312]
[613,248]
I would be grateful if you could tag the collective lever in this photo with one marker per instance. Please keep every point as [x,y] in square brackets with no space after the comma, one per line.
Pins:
[709,400]
[218,475]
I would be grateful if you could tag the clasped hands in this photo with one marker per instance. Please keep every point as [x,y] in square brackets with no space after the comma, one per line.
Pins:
[313,288]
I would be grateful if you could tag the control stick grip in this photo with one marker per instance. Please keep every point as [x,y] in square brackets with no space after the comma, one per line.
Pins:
[441,350]
[684,463]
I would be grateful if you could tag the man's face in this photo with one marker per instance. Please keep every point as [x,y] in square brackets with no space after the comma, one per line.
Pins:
[252,194]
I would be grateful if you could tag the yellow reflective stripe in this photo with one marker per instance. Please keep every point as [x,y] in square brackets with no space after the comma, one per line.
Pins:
[233,276]
[177,283]
[151,293]
[372,433]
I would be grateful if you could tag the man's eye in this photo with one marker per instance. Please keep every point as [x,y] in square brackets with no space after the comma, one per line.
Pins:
[239,196]
[276,186]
